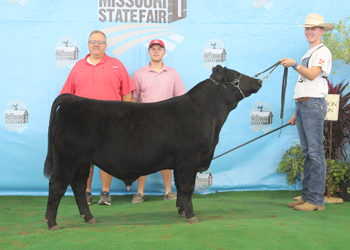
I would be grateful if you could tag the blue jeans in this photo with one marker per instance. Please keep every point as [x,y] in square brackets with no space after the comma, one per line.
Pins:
[309,118]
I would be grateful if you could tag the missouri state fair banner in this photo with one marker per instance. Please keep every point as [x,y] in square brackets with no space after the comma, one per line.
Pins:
[42,41]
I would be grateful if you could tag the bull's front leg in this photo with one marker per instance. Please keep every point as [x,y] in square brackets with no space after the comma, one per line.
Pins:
[185,184]
[78,185]
[57,189]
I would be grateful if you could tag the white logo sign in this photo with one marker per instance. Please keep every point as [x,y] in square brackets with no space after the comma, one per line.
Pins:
[66,52]
[260,117]
[16,115]
[203,181]
[214,53]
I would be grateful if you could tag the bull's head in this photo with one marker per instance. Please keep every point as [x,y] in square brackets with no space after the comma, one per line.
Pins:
[226,77]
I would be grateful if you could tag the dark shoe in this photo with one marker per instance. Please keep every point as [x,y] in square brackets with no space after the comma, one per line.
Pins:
[89,198]
[170,196]
[138,198]
[296,203]
[309,207]
[105,199]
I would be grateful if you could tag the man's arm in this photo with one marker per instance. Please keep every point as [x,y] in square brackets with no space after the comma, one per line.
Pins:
[128,97]
[309,74]
[179,88]
[136,81]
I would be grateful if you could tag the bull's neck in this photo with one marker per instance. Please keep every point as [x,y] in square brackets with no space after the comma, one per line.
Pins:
[212,99]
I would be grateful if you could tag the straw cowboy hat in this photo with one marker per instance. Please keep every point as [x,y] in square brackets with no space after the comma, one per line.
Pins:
[316,20]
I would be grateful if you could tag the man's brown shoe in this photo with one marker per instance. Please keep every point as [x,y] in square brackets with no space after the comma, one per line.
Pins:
[296,203]
[309,207]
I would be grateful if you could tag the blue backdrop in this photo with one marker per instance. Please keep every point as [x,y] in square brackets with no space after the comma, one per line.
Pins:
[42,40]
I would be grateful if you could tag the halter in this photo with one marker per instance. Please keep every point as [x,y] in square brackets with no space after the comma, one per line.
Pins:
[273,67]
[235,83]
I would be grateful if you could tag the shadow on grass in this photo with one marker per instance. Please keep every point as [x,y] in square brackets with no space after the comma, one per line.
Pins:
[156,211]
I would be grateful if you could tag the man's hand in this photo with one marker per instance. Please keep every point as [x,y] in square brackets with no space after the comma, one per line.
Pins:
[287,62]
[292,120]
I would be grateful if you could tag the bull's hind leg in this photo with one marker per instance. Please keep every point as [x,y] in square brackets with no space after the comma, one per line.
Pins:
[179,201]
[78,185]
[185,183]
[57,188]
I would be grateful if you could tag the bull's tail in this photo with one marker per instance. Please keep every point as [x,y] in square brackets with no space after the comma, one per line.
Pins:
[48,167]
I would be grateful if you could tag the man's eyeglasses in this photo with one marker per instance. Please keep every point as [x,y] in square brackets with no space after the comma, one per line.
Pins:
[156,49]
[98,42]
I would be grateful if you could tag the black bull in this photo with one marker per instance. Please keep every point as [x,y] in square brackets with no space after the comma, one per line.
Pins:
[129,140]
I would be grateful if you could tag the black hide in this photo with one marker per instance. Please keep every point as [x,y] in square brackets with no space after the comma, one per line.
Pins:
[128,140]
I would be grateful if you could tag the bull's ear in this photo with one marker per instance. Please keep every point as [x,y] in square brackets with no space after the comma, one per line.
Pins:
[218,73]
[217,67]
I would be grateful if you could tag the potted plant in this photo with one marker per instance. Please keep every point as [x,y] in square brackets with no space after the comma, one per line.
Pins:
[340,128]
[339,171]
[340,179]
[292,163]
[338,42]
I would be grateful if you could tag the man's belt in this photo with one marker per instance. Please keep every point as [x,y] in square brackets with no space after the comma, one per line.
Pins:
[303,99]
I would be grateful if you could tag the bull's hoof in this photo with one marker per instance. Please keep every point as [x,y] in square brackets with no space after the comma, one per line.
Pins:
[183,214]
[192,220]
[57,227]
[93,221]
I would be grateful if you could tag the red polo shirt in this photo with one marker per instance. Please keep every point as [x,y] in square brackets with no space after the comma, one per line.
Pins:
[107,80]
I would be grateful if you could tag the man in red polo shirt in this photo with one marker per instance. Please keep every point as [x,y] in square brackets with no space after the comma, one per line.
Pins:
[101,77]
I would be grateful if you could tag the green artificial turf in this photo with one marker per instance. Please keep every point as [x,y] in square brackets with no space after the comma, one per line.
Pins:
[228,220]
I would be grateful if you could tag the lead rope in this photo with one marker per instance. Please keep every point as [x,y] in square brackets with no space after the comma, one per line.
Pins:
[283,94]
[252,140]
[284,85]
[273,66]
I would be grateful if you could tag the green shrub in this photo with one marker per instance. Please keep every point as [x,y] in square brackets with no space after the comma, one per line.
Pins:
[292,163]
[340,172]
[338,41]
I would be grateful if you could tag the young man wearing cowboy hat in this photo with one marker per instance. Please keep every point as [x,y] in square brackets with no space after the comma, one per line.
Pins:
[154,83]
[310,111]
